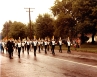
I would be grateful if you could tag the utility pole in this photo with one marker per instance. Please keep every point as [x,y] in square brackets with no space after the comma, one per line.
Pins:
[30,34]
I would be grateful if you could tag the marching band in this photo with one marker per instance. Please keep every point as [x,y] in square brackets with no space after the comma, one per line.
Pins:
[35,45]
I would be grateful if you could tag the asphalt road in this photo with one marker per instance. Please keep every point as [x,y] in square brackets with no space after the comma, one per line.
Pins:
[75,64]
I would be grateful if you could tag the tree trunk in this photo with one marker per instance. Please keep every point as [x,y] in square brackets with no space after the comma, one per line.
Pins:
[93,39]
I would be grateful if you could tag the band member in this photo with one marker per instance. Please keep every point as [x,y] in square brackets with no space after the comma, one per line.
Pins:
[39,41]
[13,45]
[16,45]
[45,46]
[2,46]
[48,44]
[28,46]
[10,48]
[35,45]
[60,45]
[19,48]
[41,44]
[53,46]
[68,44]
[6,46]
[23,45]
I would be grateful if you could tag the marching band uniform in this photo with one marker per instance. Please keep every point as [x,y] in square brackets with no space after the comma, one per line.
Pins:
[68,44]
[10,48]
[28,47]
[45,44]
[48,44]
[19,48]
[35,46]
[39,45]
[16,45]
[23,45]
[2,46]
[60,45]
[53,46]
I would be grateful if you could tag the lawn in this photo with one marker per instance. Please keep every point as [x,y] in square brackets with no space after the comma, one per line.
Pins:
[84,48]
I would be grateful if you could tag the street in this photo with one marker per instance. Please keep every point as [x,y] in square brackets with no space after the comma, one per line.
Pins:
[75,64]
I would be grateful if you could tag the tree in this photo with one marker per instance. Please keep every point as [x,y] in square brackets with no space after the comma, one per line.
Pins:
[64,26]
[65,22]
[17,30]
[6,29]
[85,11]
[44,26]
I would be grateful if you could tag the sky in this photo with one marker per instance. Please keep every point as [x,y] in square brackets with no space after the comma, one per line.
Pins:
[14,10]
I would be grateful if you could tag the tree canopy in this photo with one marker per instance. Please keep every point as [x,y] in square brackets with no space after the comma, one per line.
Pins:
[14,30]
[44,26]
[85,13]
[64,23]
[17,30]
